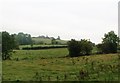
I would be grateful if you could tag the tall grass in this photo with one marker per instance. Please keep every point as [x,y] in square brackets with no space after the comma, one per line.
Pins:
[52,65]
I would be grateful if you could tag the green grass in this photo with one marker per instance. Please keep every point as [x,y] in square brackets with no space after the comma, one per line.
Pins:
[38,54]
[0,69]
[49,64]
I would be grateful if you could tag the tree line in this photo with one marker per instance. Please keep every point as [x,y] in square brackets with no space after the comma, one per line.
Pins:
[76,48]
[23,39]
[26,39]
[109,44]
[47,37]
[8,42]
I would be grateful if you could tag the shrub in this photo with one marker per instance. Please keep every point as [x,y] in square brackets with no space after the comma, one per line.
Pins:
[109,43]
[99,48]
[74,48]
[43,47]
[86,47]
[78,48]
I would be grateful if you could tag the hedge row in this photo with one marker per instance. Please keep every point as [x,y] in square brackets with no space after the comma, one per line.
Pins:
[40,47]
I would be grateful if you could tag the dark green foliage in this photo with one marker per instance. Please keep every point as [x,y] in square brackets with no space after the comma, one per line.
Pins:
[109,43]
[8,44]
[109,47]
[118,48]
[0,38]
[78,48]
[53,41]
[74,48]
[99,48]
[86,47]
[43,47]
[58,38]
[24,39]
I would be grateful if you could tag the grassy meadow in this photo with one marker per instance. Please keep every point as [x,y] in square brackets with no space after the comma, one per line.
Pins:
[53,65]
[47,41]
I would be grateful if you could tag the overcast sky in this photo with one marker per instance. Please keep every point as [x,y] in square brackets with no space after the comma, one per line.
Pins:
[69,19]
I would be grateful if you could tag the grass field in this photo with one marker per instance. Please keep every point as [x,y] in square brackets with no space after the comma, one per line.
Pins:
[53,65]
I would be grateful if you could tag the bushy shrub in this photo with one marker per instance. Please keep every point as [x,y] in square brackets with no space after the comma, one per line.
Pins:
[99,48]
[74,48]
[86,47]
[43,47]
[78,48]
[109,43]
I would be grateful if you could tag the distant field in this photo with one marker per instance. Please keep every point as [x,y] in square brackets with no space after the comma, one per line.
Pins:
[47,41]
[37,40]
[52,64]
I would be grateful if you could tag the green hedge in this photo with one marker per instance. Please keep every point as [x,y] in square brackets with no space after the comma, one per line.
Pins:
[42,47]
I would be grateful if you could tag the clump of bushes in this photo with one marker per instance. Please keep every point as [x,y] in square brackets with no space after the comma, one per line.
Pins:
[74,48]
[109,43]
[86,47]
[78,48]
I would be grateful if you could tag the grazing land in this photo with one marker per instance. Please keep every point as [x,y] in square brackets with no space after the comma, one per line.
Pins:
[54,65]
[47,41]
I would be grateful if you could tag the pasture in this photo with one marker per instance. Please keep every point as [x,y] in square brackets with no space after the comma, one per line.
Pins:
[53,65]
[47,41]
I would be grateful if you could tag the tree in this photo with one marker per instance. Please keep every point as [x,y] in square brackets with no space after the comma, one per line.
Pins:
[73,48]
[99,48]
[79,48]
[53,41]
[8,44]
[109,43]
[0,38]
[30,40]
[58,38]
[24,39]
[86,47]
